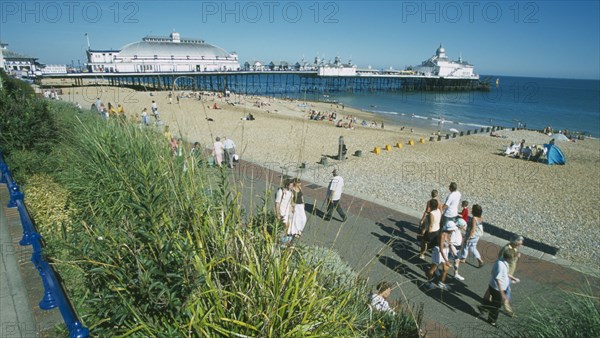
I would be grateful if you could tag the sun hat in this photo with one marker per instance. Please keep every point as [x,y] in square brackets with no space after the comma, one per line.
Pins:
[450,226]
[461,223]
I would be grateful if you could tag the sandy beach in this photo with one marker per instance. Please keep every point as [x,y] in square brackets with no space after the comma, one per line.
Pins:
[550,204]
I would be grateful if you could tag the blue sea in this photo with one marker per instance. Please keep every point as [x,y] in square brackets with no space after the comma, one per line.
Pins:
[531,102]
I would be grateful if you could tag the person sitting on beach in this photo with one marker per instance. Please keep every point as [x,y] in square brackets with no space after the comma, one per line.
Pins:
[538,152]
[215,106]
[521,148]
[512,149]
[380,299]
[526,153]
[340,123]
[363,123]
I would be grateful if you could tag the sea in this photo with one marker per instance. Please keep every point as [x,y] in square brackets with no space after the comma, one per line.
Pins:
[532,103]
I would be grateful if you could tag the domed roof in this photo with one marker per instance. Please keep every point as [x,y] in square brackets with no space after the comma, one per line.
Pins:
[440,50]
[168,48]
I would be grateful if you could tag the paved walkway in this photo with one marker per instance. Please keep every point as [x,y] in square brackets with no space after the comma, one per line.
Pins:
[380,243]
[16,318]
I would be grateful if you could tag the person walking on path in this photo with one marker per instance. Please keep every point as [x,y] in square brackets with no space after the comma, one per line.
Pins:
[298,214]
[513,247]
[218,151]
[334,194]
[430,229]
[283,203]
[450,208]
[439,258]
[229,148]
[474,232]
[498,285]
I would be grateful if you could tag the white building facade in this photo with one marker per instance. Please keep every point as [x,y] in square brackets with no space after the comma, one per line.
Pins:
[163,54]
[440,65]
[17,64]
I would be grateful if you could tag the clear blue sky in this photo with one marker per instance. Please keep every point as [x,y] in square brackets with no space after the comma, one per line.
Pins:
[537,38]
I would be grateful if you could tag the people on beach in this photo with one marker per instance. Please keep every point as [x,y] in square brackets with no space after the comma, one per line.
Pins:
[474,232]
[103,111]
[283,203]
[298,214]
[229,151]
[380,299]
[112,112]
[144,115]
[167,133]
[499,282]
[334,195]
[218,151]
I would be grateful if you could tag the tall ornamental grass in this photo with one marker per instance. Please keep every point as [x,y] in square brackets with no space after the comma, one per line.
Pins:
[153,246]
[576,315]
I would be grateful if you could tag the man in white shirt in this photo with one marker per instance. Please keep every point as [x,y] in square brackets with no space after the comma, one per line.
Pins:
[229,148]
[334,194]
[450,208]
[499,283]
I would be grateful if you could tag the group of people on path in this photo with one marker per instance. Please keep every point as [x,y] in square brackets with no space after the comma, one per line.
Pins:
[224,152]
[289,204]
[452,236]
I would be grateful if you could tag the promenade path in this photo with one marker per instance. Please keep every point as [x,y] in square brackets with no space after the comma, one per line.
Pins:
[378,240]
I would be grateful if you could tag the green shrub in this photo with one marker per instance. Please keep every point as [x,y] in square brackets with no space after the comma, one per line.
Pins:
[25,124]
[15,87]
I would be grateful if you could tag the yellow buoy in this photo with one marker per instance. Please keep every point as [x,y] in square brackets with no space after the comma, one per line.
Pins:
[399,145]
[421,140]
[388,147]
[411,143]
[377,150]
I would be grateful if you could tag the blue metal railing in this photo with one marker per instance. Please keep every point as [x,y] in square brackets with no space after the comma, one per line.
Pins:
[54,295]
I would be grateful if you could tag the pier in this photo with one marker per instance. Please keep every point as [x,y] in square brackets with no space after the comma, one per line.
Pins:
[271,83]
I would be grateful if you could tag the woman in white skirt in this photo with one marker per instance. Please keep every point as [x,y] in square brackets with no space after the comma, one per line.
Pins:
[298,213]
[283,203]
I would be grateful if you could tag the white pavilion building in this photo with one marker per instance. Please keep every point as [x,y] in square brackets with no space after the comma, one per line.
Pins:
[440,65]
[156,54]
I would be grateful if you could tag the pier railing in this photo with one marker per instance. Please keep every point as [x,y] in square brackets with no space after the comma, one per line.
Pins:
[54,294]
